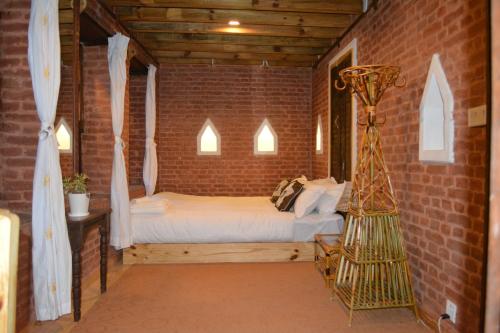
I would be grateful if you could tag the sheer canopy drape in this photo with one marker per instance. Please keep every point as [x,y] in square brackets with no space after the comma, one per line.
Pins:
[120,215]
[51,248]
[150,171]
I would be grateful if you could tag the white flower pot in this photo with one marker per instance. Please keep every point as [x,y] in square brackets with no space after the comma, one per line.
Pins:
[79,204]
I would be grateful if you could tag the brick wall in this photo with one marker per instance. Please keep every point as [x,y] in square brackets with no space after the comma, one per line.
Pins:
[98,141]
[137,128]
[236,99]
[320,104]
[20,124]
[97,138]
[442,206]
[65,109]
[19,127]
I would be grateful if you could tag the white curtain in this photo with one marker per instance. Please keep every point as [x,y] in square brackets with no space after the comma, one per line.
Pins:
[120,215]
[150,172]
[51,248]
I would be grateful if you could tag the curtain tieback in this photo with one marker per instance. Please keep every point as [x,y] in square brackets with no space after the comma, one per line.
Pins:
[119,141]
[150,142]
[46,131]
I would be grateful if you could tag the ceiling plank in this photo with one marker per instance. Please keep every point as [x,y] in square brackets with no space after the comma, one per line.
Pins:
[65,16]
[232,39]
[231,62]
[65,29]
[66,39]
[167,46]
[66,48]
[68,4]
[218,28]
[310,6]
[65,4]
[242,56]
[245,17]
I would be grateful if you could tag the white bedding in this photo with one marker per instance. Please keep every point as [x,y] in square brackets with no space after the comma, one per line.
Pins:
[203,219]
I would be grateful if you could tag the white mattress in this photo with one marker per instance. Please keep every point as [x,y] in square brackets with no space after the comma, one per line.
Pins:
[203,219]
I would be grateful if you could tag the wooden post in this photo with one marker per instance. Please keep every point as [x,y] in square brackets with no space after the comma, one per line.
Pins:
[77,149]
[157,117]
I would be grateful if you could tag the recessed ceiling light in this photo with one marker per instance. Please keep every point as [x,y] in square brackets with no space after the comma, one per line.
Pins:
[234,22]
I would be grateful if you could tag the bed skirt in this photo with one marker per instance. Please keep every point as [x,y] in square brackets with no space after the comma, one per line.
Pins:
[218,253]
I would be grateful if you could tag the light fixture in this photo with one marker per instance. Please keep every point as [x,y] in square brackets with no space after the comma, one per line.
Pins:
[234,23]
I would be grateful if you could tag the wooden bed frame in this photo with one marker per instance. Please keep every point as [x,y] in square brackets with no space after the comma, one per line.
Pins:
[218,253]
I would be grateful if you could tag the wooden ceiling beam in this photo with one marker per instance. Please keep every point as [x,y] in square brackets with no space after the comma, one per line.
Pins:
[167,46]
[308,6]
[68,4]
[218,28]
[231,62]
[108,22]
[239,55]
[232,39]
[195,15]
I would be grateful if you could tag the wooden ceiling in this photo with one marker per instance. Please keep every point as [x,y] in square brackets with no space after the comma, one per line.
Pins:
[66,31]
[90,32]
[283,32]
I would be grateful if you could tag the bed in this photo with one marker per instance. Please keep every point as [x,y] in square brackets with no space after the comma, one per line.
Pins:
[224,229]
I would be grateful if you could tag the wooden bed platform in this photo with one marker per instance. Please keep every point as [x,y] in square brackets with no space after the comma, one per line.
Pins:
[218,253]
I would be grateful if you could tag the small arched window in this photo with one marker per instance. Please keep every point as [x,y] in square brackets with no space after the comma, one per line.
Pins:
[265,140]
[436,134]
[64,137]
[319,136]
[208,139]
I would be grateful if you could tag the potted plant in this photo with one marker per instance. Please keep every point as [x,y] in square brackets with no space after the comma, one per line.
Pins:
[79,198]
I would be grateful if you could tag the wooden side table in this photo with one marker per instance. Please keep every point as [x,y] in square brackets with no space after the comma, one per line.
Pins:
[326,251]
[78,228]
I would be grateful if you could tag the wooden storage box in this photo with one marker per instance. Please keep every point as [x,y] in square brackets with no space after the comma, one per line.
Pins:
[326,251]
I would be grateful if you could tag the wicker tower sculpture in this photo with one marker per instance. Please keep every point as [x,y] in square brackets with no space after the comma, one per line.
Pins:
[372,270]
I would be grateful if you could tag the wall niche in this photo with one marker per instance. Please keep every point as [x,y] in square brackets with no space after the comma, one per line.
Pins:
[436,134]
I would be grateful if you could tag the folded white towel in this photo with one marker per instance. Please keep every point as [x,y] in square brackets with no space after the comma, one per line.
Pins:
[158,210]
[147,200]
[158,206]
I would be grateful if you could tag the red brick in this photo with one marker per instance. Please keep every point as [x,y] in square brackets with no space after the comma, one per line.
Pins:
[451,29]
[237,99]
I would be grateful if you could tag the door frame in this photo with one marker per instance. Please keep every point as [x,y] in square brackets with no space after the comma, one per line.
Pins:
[352,50]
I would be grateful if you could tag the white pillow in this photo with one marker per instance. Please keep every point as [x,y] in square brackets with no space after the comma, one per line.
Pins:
[302,179]
[324,181]
[308,199]
[328,202]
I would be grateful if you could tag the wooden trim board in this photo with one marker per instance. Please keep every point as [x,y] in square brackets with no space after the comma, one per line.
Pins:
[218,253]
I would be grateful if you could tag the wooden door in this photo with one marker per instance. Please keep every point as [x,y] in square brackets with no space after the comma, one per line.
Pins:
[341,121]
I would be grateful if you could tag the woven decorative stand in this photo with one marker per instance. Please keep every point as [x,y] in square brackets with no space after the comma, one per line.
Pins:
[372,271]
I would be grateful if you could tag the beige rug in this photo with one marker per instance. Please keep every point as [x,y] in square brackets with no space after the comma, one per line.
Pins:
[284,297]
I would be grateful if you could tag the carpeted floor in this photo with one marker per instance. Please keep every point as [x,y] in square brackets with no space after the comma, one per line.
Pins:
[284,297]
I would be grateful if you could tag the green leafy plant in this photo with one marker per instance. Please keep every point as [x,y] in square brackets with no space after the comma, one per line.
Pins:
[76,184]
